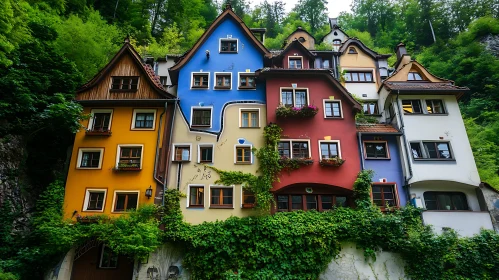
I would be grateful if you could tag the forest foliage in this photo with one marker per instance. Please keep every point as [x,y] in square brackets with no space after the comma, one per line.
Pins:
[48,48]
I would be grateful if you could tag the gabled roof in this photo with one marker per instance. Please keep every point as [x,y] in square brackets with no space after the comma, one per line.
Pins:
[334,28]
[377,128]
[363,47]
[326,73]
[127,49]
[296,44]
[300,29]
[228,13]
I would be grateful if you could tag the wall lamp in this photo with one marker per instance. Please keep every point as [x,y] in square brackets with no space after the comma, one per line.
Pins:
[149,192]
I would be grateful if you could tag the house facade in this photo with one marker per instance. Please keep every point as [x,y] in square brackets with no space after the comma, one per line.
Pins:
[219,119]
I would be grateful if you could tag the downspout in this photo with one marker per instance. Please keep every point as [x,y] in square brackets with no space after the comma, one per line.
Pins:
[168,154]
[402,129]
[157,145]
[361,151]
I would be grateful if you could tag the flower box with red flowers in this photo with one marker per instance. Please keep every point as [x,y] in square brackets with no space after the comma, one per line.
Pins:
[335,162]
[306,111]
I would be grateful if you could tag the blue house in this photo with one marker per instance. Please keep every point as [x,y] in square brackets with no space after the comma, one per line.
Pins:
[379,146]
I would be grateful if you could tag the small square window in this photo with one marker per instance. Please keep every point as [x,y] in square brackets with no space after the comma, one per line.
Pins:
[247,81]
[332,109]
[223,81]
[228,46]
[200,80]
[300,149]
[94,200]
[126,201]
[201,117]
[205,154]
[90,158]
[412,107]
[222,197]
[376,150]
[243,155]
[108,258]
[384,195]
[435,106]
[250,118]
[329,150]
[143,119]
[370,108]
[124,83]
[130,158]
[182,153]
[295,63]
[196,196]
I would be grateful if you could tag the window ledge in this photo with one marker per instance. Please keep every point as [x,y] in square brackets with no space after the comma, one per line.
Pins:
[250,127]
[228,51]
[199,87]
[246,88]
[201,126]
[243,163]
[125,169]
[97,133]
[359,82]
[93,211]
[195,207]
[429,114]
[122,90]
[432,159]
[373,158]
[89,168]
[205,162]
[181,161]
[333,118]
[143,129]
[221,207]
[223,88]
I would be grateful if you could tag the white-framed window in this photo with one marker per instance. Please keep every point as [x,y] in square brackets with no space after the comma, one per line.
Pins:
[108,258]
[144,119]
[223,80]
[431,150]
[294,97]
[228,45]
[246,80]
[200,80]
[100,120]
[295,62]
[129,156]
[249,117]
[357,76]
[221,196]
[90,158]
[329,149]
[243,154]
[125,200]
[417,106]
[206,153]
[201,116]
[196,196]
[332,108]
[182,152]
[95,200]
[294,148]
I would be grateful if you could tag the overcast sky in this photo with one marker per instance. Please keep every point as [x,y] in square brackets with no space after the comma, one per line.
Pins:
[334,7]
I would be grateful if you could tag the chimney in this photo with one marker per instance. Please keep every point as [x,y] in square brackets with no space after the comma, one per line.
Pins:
[400,50]
[333,22]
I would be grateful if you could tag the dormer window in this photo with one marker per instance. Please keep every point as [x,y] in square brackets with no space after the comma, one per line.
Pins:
[301,40]
[124,83]
[228,46]
[295,62]
[352,50]
[337,42]
[414,76]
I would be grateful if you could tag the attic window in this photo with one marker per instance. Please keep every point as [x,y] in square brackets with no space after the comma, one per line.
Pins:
[124,83]
[352,50]
[337,42]
[228,46]
[414,76]
[301,39]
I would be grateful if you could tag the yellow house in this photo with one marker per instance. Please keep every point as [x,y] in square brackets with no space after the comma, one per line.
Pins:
[119,161]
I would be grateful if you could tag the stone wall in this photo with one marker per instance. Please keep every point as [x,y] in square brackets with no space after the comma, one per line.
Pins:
[490,202]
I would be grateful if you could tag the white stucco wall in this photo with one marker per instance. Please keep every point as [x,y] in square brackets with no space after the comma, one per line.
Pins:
[330,37]
[163,67]
[358,89]
[465,223]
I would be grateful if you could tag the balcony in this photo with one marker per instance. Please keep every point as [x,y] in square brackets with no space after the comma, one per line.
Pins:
[465,223]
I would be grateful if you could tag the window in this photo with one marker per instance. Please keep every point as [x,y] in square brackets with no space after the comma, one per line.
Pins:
[247,81]
[336,42]
[294,149]
[223,80]
[94,200]
[329,149]
[431,150]
[294,97]
[200,80]
[196,196]
[370,108]
[412,107]
[376,150]
[248,199]
[201,117]
[222,197]
[243,155]
[228,46]
[250,118]
[124,83]
[100,120]
[384,195]
[359,77]
[205,153]
[130,157]
[445,201]
[144,119]
[320,202]
[332,109]
[108,258]
[352,50]
[125,201]
[164,81]
[295,62]
[414,76]
[182,152]
[435,106]
[89,158]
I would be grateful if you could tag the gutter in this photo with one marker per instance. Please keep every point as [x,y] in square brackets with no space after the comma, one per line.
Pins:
[157,145]
[361,151]
[402,129]
[168,154]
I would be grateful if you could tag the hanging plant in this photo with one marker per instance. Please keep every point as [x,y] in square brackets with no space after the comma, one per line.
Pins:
[335,161]
[306,111]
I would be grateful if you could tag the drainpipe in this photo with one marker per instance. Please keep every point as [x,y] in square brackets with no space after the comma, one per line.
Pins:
[361,151]
[157,145]
[168,147]
[402,128]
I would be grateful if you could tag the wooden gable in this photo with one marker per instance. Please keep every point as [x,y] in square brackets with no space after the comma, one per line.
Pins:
[413,66]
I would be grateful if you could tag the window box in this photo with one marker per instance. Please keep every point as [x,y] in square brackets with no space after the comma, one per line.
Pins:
[128,167]
[306,111]
[294,163]
[335,162]
[248,205]
[90,132]
[100,122]
[130,158]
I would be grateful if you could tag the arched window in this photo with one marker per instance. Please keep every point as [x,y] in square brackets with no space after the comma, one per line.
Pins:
[352,50]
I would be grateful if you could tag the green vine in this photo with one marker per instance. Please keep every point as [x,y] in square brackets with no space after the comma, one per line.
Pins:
[362,189]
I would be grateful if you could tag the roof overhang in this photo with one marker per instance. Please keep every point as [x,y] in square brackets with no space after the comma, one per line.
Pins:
[126,102]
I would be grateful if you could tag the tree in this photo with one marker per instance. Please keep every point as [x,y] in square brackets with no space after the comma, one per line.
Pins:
[314,12]
[13,28]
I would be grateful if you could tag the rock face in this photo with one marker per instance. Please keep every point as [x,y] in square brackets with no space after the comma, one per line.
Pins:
[491,43]
[12,180]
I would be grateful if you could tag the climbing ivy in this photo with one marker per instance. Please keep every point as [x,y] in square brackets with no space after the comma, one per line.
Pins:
[362,189]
